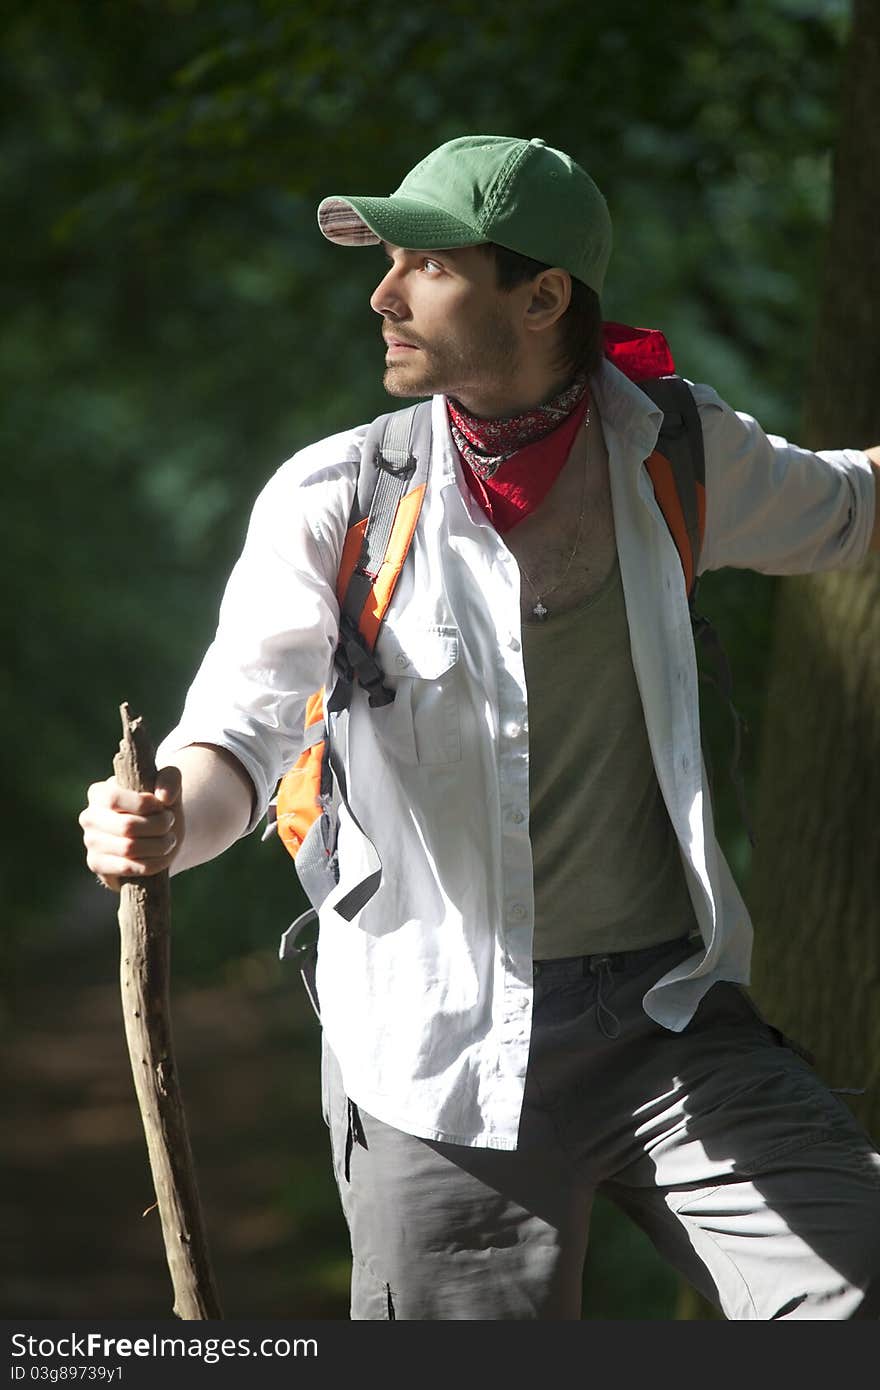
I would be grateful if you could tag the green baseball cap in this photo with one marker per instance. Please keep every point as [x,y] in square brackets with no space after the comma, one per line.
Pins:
[479,188]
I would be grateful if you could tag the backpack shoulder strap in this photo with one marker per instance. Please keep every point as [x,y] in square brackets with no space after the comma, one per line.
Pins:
[677,469]
[395,460]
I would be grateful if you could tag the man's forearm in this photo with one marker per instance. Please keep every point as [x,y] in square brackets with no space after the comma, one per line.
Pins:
[217,803]
[874,455]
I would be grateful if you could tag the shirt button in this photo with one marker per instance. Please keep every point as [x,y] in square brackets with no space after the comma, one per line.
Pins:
[517,911]
[513,644]
[402,660]
[512,729]
[518,817]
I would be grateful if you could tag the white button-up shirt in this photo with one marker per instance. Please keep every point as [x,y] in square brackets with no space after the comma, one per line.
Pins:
[426,994]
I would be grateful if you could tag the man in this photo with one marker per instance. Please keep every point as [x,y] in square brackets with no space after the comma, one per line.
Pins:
[542,994]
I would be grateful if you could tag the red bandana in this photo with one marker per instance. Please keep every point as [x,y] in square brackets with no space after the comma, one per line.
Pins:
[486,444]
[522,479]
[511,464]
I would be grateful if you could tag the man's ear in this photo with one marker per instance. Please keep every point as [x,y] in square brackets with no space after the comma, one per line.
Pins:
[550,297]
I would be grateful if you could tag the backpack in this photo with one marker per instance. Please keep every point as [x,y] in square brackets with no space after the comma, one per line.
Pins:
[395,458]
[391,485]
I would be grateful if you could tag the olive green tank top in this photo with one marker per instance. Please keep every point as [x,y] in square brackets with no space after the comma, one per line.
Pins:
[608,874]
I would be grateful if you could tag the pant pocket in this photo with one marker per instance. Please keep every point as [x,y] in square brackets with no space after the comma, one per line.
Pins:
[341,1115]
[372,1299]
[741,993]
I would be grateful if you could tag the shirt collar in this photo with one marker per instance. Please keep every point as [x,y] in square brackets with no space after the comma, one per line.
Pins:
[625,411]
[629,418]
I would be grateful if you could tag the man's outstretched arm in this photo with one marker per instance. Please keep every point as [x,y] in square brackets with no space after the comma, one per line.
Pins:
[202,804]
[874,455]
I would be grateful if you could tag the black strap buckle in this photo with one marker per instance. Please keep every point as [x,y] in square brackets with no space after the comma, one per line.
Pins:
[353,660]
[404,470]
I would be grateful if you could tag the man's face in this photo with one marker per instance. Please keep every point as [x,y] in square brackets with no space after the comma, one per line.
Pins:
[448,327]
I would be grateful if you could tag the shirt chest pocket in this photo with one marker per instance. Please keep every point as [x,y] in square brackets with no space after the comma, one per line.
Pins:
[422,664]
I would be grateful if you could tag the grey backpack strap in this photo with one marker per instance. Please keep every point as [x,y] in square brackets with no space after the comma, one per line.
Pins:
[396,467]
[395,460]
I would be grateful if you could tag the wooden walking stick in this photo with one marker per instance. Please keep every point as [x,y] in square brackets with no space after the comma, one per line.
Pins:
[145,931]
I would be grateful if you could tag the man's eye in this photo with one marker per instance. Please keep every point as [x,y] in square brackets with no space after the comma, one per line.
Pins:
[432,265]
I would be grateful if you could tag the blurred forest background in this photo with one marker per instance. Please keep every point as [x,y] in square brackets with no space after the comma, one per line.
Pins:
[175,327]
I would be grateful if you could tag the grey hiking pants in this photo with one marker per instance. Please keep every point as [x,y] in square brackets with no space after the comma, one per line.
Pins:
[751,1177]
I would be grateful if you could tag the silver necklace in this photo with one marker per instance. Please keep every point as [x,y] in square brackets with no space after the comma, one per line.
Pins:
[540,609]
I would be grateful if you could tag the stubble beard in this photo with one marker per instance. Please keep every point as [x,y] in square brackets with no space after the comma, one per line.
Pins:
[446,366]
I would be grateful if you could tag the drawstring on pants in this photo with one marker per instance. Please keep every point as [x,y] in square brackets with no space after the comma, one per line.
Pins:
[600,966]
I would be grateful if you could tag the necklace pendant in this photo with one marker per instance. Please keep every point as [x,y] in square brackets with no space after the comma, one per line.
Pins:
[540,611]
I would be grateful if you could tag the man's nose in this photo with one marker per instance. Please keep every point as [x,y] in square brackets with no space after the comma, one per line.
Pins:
[387,297]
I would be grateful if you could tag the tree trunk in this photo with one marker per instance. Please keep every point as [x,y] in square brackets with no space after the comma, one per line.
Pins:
[816,874]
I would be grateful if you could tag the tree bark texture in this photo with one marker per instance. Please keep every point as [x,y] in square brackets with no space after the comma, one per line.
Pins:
[145,932]
[815,884]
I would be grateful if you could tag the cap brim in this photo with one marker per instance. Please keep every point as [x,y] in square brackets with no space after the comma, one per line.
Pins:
[399,221]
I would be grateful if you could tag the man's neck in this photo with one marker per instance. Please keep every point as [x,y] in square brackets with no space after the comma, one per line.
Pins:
[508,405]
